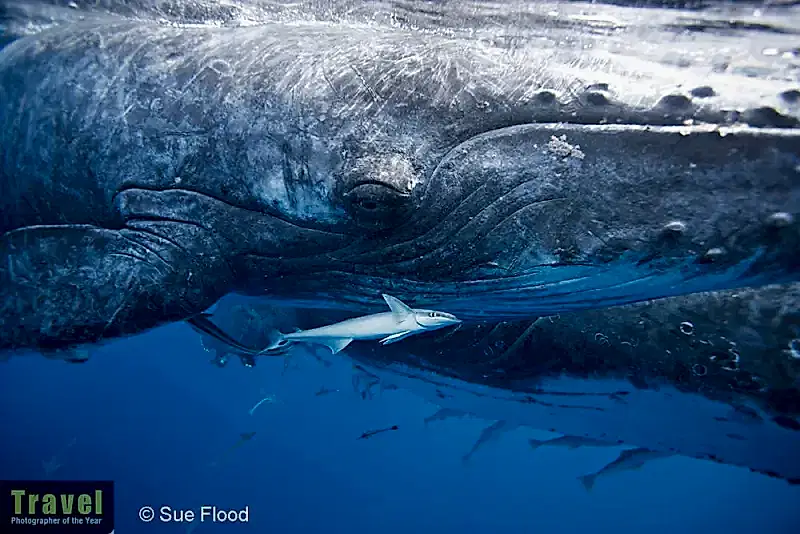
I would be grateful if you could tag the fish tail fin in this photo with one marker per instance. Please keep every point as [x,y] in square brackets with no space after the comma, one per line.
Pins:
[587,481]
[277,339]
[535,443]
[278,343]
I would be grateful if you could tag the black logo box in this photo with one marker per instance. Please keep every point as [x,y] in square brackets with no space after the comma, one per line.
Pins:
[56,506]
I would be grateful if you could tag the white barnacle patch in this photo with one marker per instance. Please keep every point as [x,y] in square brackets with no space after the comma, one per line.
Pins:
[559,146]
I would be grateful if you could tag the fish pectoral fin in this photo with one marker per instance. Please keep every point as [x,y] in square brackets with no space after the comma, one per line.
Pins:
[400,311]
[336,344]
[394,338]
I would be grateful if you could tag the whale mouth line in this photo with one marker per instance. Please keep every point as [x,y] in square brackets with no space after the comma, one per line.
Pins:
[149,188]
[249,208]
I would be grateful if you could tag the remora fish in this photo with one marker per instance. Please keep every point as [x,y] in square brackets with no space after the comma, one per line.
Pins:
[243,438]
[629,460]
[390,327]
[368,434]
[489,434]
[150,169]
[442,414]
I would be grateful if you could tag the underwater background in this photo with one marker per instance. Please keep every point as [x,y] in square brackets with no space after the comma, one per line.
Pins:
[152,414]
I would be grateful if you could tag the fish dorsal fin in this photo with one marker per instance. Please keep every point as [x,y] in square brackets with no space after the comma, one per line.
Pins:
[400,311]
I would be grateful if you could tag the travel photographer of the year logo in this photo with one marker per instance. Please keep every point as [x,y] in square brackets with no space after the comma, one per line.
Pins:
[56,506]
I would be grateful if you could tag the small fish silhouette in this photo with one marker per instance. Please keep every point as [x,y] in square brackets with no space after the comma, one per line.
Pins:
[243,437]
[370,433]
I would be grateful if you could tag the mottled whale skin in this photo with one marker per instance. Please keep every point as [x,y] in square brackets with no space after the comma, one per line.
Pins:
[149,168]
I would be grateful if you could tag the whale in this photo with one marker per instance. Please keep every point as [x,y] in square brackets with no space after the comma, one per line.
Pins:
[607,196]
[152,165]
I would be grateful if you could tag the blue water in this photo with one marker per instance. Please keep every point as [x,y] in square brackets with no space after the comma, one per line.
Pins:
[152,414]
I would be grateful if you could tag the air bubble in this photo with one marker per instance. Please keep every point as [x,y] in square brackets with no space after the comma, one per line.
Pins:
[734,364]
[687,328]
[699,369]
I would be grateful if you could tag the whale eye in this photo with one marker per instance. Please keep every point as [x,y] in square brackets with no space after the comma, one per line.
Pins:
[432,314]
[378,205]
